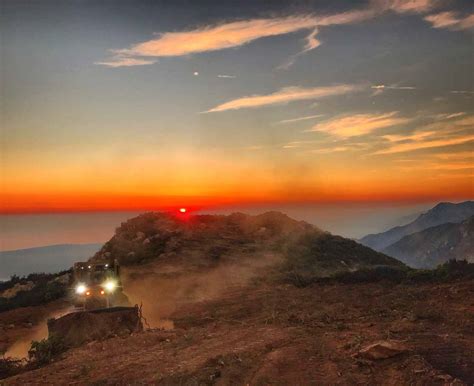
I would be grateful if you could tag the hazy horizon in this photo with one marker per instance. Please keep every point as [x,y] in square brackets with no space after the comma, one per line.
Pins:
[351,220]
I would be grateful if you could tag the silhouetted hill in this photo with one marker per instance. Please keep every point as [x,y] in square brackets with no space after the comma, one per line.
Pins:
[436,245]
[442,213]
[206,240]
[48,259]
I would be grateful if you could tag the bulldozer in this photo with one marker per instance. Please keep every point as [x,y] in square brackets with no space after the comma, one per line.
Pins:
[97,285]
[101,309]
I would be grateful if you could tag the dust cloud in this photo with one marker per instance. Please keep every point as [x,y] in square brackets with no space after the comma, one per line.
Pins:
[163,288]
[20,348]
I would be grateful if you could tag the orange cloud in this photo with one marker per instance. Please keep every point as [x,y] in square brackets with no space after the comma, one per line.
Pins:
[451,20]
[305,118]
[418,145]
[359,124]
[126,62]
[229,35]
[285,95]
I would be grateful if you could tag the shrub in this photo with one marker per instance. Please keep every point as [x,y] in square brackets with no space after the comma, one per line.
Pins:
[449,271]
[45,290]
[44,351]
[9,367]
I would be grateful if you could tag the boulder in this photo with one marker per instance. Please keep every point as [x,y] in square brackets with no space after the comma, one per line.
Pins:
[383,350]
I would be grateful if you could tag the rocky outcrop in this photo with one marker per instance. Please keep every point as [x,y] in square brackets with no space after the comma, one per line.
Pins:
[383,350]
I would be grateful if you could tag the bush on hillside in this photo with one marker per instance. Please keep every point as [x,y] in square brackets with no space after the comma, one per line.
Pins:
[44,351]
[10,367]
[45,290]
[449,271]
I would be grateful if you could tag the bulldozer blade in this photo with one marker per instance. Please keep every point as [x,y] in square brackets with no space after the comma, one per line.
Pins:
[80,327]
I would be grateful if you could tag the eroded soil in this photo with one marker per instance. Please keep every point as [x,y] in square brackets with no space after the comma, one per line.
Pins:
[282,335]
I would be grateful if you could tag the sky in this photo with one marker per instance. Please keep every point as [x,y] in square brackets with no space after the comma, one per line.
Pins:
[139,105]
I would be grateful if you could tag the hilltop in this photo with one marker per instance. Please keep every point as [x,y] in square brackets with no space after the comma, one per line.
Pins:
[199,241]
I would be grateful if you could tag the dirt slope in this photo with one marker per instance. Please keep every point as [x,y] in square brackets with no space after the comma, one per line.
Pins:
[278,335]
[20,326]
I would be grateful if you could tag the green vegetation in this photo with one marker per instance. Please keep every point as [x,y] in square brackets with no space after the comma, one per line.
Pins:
[46,288]
[450,271]
[10,367]
[318,255]
[44,351]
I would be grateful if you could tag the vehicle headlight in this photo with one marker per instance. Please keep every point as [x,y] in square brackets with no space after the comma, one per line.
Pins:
[81,289]
[110,286]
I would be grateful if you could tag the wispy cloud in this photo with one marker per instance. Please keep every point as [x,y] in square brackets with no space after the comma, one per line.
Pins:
[359,124]
[432,143]
[124,61]
[451,20]
[285,95]
[233,34]
[462,92]
[409,137]
[405,6]
[330,150]
[311,43]
[380,88]
[299,119]
[450,116]
[447,132]
[456,156]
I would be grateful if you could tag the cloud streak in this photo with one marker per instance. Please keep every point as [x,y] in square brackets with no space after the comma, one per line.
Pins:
[449,132]
[358,124]
[380,88]
[121,61]
[421,144]
[405,6]
[451,20]
[299,119]
[285,95]
[230,35]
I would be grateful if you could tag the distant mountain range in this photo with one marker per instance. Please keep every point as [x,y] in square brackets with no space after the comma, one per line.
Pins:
[442,213]
[49,259]
[434,237]
[435,245]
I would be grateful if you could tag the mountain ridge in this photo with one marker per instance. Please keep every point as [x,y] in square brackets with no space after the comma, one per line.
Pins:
[441,213]
[435,245]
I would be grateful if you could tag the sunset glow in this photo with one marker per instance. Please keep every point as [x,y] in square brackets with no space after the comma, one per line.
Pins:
[141,119]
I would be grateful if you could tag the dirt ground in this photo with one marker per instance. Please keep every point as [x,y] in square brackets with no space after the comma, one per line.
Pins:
[283,335]
[22,325]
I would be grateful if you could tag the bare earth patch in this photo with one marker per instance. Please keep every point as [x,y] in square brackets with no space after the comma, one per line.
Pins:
[280,335]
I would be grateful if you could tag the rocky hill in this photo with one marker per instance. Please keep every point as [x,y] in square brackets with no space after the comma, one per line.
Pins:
[442,213]
[207,240]
[436,245]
